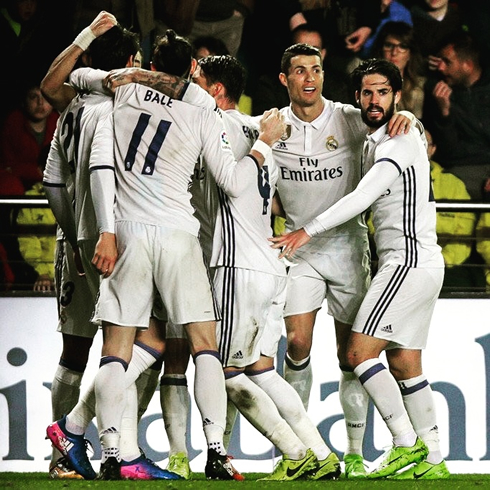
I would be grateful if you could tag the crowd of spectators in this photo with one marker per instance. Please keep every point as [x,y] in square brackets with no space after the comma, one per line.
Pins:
[442,48]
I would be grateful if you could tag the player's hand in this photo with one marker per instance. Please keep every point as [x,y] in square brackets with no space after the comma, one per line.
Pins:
[121,76]
[102,23]
[272,126]
[78,261]
[355,41]
[290,242]
[399,124]
[442,93]
[105,255]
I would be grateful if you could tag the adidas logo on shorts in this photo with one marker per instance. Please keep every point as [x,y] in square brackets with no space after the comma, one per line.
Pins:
[237,355]
[387,329]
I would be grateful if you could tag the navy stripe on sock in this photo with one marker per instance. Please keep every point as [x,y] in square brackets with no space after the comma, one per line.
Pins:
[155,353]
[107,359]
[414,388]
[366,375]
[232,374]
[209,353]
[258,371]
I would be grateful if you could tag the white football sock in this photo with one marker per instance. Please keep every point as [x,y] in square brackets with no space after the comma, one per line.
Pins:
[211,402]
[354,401]
[291,408]
[383,390]
[419,403]
[231,415]
[175,402]
[82,414]
[129,426]
[260,411]
[65,392]
[146,385]
[300,376]
[110,393]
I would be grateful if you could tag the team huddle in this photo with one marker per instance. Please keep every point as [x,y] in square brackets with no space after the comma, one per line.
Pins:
[165,194]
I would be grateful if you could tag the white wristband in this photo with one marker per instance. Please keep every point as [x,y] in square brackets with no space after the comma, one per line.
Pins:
[262,147]
[84,39]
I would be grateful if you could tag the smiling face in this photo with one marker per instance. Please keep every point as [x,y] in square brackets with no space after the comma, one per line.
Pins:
[304,80]
[377,100]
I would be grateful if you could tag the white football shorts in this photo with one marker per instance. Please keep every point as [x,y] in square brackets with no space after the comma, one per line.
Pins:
[75,301]
[154,257]
[399,304]
[246,298]
[340,273]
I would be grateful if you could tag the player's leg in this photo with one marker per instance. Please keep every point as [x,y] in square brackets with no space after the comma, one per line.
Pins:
[406,367]
[147,381]
[290,407]
[363,356]
[305,293]
[354,401]
[110,392]
[297,365]
[175,399]
[74,300]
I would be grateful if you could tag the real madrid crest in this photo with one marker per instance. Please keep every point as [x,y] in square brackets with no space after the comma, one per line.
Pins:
[332,144]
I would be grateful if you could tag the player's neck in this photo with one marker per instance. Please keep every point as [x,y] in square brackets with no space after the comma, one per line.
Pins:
[307,113]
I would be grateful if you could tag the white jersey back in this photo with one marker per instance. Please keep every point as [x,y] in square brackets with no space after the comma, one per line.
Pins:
[243,223]
[158,142]
[319,164]
[70,154]
[404,217]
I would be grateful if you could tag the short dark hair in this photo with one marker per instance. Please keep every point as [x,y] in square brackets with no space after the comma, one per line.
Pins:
[225,69]
[377,66]
[172,54]
[297,50]
[464,45]
[112,49]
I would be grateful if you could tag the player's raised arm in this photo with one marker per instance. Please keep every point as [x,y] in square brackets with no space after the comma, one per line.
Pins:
[53,86]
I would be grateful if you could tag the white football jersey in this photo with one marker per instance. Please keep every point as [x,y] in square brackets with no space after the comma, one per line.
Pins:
[70,153]
[397,186]
[158,141]
[319,164]
[404,216]
[243,223]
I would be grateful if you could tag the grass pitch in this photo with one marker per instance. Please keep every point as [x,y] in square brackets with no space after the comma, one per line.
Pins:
[42,480]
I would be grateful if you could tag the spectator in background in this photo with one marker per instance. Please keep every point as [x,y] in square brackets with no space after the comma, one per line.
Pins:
[433,21]
[391,11]
[31,34]
[257,33]
[345,25]
[25,133]
[270,92]
[455,230]
[457,112]
[223,20]
[396,43]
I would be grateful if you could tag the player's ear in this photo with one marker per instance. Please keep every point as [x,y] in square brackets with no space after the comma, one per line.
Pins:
[193,67]
[357,97]
[398,96]
[283,79]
